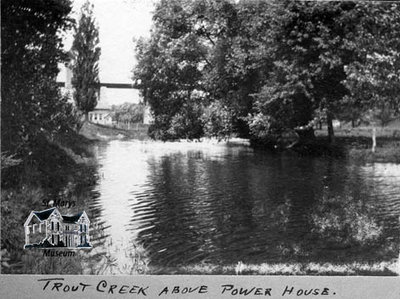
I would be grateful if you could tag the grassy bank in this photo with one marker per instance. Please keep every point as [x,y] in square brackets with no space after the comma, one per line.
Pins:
[357,143]
[351,143]
[59,168]
[64,169]
[390,268]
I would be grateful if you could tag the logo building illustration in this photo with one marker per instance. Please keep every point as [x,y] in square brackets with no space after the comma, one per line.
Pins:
[48,228]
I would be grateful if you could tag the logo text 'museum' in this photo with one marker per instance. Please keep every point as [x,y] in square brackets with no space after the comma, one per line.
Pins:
[58,253]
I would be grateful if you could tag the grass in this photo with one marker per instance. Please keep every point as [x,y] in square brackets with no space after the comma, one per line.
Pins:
[61,167]
[363,131]
[389,268]
[53,165]
[361,137]
[357,143]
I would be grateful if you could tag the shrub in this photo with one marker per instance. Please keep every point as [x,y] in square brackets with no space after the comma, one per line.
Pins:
[217,121]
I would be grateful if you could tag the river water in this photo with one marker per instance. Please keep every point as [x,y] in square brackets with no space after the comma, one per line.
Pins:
[167,206]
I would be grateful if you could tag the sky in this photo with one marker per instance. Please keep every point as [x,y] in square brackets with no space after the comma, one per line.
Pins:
[120,23]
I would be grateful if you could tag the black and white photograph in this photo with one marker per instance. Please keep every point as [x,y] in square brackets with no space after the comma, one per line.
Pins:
[200,137]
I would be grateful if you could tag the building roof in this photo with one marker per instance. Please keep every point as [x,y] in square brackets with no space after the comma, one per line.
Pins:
[100,110]
[72,219]
[43,215]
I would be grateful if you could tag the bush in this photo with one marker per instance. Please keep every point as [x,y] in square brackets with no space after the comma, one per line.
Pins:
[217,121]
[186,123]
[262,132]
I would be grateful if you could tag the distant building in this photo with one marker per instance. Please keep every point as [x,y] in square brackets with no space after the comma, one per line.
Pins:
[49,228]
[102,114]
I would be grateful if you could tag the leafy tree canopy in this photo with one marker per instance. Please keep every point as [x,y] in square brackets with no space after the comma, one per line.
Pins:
[270,65]
[128,112]
[31,49]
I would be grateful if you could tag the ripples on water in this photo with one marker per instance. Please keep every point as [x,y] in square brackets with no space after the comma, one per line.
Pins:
[181,204]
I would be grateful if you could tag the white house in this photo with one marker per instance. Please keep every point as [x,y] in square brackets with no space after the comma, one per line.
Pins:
[102,113]
[48,228]
[101,116]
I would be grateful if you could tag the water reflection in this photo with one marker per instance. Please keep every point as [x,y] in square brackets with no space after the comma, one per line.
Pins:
[122,171]
[165,205]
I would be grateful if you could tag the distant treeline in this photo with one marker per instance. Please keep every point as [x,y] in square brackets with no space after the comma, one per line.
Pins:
[128,113]
[261,69]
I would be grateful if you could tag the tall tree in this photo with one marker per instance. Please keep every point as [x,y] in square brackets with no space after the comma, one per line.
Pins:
[374,77]
[85,68]
[169,74]
[311,45]
[30,51]
[240,58]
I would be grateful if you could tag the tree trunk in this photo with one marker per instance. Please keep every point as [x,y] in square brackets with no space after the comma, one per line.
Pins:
[331,135]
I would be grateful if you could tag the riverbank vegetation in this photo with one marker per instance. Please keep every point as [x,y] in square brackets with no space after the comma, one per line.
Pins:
[39,125]
[43,157]
[270,71]
[350,269]
[356,143]
[47,158]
